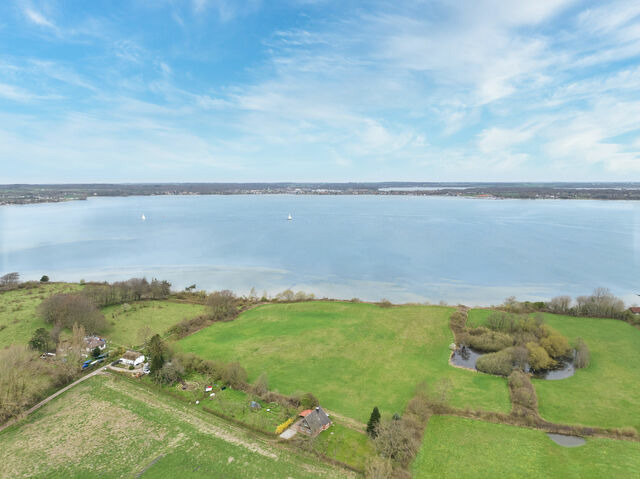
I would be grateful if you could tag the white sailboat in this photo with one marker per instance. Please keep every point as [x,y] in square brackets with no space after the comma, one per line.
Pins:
[143,217]
[290,217]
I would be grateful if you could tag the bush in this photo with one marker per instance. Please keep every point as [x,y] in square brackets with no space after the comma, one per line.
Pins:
[583,356]
[222,305]
[282,427]
[170,373]
[385,303]
[484,339]
[44,279]
[261,385]
[499,363]
[378,468]
[234,375]
[309,401]
[555,344]
[539,359]
[398,440]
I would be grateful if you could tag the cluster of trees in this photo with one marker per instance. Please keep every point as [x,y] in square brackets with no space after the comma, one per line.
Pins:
[134,289]
[64,310]
[600,304]
[513,341]
[9,281]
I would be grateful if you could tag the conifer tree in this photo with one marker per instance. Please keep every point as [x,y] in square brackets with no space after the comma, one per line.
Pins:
[374,420]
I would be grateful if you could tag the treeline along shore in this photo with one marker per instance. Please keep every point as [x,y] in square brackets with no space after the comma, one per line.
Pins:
[51,193]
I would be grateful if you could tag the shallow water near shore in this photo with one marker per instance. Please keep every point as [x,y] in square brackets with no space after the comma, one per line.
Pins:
[412,248]
[567,441]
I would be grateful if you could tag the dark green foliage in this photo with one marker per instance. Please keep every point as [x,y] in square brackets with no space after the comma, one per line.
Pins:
[373,422]
[96,352]
[40,340]
[156,352]
[44,279]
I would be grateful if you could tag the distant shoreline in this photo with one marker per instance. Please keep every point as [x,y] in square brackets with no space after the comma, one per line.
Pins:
[34,194]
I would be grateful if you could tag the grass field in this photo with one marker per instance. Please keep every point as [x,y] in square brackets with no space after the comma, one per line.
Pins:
[463,448]
[605,394]
[110,428]
[18,317]
[353,356]
[159,316]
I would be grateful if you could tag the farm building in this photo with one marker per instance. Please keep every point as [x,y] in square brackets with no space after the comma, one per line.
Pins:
[132,358]
[635,310]
[313,421]
[92,342]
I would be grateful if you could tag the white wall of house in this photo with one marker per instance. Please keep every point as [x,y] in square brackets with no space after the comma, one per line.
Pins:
[131,362]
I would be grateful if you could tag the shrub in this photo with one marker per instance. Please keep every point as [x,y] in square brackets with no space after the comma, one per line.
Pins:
[222,305]
[170,373]
[398,440]
[378,468]
[282,427]
[234,375]
[309,401]
[261,385]
[538,357]
[583,356]
[44,279]
[484,339]
[499,363]
[385,303]
[555,344]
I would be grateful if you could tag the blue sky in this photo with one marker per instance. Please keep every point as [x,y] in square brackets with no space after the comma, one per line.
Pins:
[312,90]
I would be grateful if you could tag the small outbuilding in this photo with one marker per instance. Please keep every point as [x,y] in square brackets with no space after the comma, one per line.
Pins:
[635,310]
[313,421]
[132,358]
[255,406]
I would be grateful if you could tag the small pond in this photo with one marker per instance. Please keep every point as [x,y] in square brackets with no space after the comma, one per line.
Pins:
[466,357]
[567,441]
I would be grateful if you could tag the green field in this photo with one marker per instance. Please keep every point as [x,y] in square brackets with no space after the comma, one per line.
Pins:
[159,316]
[461,448]
[18,317]
[353,356]
[108,427]
[605,394]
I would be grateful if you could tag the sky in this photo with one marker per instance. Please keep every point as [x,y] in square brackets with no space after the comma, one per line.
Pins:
[313,90]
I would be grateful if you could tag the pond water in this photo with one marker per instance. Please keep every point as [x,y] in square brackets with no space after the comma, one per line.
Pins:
[404,248]
[467,357]
[567,441]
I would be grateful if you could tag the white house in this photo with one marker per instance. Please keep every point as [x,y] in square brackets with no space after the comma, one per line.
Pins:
[132,358]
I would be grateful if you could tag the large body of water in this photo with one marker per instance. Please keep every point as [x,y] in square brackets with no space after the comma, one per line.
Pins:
[474,251]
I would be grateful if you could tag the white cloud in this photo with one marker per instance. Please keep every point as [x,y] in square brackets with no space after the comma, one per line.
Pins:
[38,18]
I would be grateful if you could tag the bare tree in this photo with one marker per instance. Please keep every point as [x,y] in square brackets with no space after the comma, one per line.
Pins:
[222,305]
[71,308]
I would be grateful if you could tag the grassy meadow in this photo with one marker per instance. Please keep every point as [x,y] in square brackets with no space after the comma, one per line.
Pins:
[126,321]
[353,356]
[607,393]
[18,316]
[461,448]
[110,428]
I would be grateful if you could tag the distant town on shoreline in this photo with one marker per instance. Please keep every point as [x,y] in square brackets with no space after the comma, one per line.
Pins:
[50,193]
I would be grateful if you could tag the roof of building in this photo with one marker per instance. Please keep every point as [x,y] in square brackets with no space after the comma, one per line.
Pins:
[316,420]
[132,355]
[305,412]
[94,341]
[635,309]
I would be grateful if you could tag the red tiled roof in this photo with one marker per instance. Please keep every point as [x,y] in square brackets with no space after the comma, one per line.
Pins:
[635,310]
[305,412]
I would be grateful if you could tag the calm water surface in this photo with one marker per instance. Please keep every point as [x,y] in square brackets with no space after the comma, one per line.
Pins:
[403,248]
